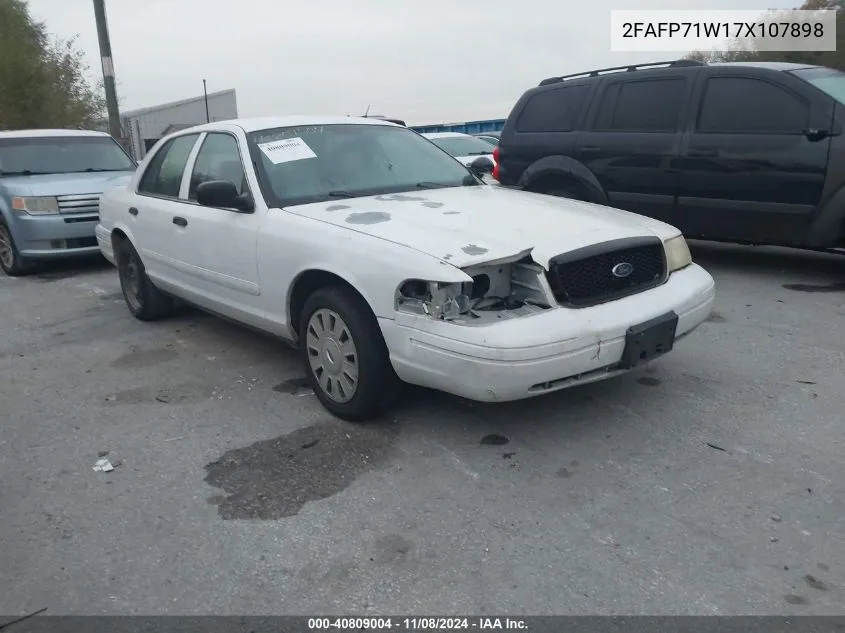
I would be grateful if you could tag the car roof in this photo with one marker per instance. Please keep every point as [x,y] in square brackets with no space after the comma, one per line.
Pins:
[444,134]
[266,123]
[48,133]
[783,66]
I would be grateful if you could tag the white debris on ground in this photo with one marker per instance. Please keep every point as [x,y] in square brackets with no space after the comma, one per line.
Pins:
[103,466]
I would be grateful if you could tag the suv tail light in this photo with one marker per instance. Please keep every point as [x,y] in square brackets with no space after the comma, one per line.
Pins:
[496,163]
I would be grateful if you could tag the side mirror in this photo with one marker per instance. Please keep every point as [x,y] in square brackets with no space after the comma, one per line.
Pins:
[481,166]
[223,194]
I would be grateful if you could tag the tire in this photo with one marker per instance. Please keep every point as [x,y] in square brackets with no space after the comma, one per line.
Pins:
[564,192]
[330,361]
[10,259]
[144,300]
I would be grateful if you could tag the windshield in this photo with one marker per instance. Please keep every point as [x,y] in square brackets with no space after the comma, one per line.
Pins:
[463,145]
[62,155]
[825,79]
[303,164]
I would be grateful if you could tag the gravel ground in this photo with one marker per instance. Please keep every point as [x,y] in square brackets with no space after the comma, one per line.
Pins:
[709,483]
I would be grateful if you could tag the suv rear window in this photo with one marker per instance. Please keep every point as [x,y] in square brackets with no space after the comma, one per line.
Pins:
[552,110]
[650,105]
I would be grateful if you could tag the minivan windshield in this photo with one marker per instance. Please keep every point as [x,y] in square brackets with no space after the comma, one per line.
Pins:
[304,164]
[463,145]
[825,79]
[61,155]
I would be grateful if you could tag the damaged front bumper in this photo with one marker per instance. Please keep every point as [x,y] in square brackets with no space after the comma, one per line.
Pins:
[525,357]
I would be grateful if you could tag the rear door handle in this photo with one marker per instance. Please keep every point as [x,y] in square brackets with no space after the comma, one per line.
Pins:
[590,149]
[133,211]
[180,221]
[703,153]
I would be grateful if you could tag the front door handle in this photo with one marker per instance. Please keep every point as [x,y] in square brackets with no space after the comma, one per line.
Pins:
[133,211]
[703,153]
[180,221]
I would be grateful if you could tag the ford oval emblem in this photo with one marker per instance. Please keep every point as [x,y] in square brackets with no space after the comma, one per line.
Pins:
[622,270]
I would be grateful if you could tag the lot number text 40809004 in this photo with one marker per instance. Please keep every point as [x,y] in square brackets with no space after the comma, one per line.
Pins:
[418,624]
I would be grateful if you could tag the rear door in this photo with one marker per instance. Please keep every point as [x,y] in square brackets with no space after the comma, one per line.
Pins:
[632,138]
[547,125]
[157,202]
[749,170]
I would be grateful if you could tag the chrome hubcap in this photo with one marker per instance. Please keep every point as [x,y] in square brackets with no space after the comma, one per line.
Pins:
[7,256]
[332,355]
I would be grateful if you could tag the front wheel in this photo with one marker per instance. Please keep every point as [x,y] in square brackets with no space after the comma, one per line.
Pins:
[10,259]
[144,300]
[345,356]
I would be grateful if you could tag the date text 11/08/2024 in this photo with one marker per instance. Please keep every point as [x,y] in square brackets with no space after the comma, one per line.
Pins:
[418,624]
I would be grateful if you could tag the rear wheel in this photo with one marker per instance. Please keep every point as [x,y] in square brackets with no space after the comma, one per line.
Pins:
[566,192]
[345,356]
[144,300]
[10,259]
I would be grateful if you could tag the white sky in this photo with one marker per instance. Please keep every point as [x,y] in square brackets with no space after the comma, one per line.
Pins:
[426,62]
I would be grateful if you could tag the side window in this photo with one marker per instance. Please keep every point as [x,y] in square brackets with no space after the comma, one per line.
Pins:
[552,110]
[164,173]
[218,159]
[651,105]
[751,106]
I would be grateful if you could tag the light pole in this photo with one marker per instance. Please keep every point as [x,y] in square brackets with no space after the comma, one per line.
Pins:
[108,69]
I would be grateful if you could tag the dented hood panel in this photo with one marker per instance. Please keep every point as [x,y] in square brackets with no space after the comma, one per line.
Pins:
[466,226]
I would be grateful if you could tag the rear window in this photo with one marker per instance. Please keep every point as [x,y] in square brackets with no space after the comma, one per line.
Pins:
[552,110]
[827,80]
[61,155]
[652,105]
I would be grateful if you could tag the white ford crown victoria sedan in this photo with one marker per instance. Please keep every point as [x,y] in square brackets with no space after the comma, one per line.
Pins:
[385,259]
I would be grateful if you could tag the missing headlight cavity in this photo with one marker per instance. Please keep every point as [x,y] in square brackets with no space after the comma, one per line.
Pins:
[501,291]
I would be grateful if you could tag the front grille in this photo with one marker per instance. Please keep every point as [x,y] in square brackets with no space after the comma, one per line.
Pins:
[81,203]
[585,277]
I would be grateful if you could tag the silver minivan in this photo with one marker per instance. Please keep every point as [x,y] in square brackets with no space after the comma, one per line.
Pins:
[50,186]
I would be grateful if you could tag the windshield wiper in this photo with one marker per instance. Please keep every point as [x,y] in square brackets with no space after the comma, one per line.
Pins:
[23,172]
[340,194]
[433,185]
[479,154]
[92,170]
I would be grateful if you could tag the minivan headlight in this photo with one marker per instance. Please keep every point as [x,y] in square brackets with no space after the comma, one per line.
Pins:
[677,253]
[36,205]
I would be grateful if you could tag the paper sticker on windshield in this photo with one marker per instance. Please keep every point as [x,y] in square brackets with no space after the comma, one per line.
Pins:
[286,150]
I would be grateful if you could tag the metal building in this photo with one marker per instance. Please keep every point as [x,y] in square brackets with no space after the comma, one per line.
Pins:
[143,127]
[467,127]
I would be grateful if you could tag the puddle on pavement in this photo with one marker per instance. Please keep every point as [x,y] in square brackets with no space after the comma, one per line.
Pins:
[275,478]
[838,287]
[494,439]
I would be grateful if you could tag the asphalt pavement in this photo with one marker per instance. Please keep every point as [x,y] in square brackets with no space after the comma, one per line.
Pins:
[712,482]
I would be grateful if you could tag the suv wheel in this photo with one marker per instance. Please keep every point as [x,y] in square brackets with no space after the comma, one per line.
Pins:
[566,192]
[10,260]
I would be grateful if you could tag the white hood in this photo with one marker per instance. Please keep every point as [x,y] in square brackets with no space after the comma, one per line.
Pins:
[472,225]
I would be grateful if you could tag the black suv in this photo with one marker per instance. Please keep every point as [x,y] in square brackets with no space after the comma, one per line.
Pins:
[741,152]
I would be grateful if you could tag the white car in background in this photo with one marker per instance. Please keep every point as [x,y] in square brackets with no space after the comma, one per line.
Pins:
[465,147]
[384,259]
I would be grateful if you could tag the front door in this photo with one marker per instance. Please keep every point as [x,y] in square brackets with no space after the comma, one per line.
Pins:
[750,168]
[215,249]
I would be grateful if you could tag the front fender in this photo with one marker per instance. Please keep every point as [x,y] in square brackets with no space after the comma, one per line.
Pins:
[564,166]
[828,226]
